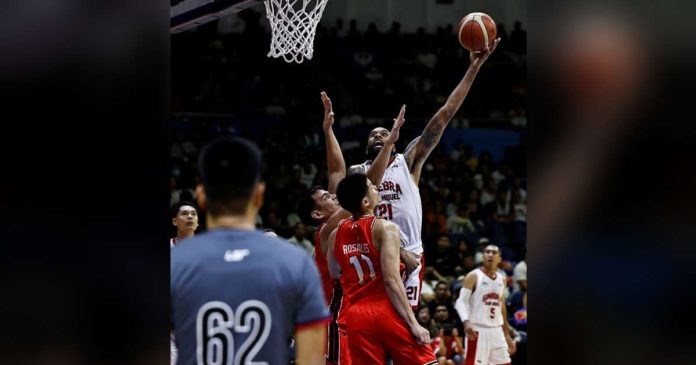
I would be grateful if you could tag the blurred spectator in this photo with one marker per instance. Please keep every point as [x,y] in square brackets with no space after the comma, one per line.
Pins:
[457,152]
[489,192]
[299,238]
[519,207]
[341,31]
[518,38]
[469,158]
[520,276]
[176,193]
[475,208]
[478,256]
[425,319]
[463,250]
[500,209]
[443,257]
[307,172]
[454,204]
[468,264]
[460,222]
[450,346]
[443,297]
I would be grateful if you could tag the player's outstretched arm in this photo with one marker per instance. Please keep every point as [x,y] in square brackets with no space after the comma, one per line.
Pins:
[416,156]
[310,343]
[379,165]
[462,304]
[386,235]
[334,157]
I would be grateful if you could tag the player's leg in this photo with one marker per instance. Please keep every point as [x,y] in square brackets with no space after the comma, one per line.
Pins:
[400,344]
[477,349]
[343,353]
[421,276]
[413,286]
[364,345]
[332,343]
[498,348]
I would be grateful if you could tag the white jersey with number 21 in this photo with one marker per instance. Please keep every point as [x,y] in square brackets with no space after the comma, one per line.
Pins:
[400,203]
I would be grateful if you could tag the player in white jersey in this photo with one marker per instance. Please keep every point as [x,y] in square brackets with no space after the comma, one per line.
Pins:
[399,196]
[185,219]
[481,307]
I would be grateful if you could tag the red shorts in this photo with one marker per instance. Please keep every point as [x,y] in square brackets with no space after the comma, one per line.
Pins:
[337,345]
[375,330]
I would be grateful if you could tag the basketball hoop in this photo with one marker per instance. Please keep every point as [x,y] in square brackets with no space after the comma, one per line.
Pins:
[293,25]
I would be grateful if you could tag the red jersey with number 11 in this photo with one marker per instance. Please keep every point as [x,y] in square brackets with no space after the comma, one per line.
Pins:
[356,254]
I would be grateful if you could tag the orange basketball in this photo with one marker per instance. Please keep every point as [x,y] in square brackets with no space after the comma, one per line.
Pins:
[476,30]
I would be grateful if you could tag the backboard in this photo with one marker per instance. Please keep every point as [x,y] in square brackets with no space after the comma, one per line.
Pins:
[188,14]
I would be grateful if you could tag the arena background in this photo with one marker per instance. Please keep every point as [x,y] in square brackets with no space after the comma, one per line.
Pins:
[371,57]
[86,94]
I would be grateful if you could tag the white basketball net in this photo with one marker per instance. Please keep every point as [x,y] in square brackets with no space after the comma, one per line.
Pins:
[293,25]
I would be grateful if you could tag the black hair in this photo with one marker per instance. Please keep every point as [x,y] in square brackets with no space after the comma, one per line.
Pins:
[177,206]
[351,191]
[305,206]
[229,167]
[500,250]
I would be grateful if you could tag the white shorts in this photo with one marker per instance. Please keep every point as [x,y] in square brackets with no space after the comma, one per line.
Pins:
[489,348]
[172,349]
[413,284]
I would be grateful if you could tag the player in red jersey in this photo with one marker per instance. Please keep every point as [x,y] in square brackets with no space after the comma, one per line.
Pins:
[319,207]
[364,253]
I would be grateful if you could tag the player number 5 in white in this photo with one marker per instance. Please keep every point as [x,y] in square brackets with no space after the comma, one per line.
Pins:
[356,264]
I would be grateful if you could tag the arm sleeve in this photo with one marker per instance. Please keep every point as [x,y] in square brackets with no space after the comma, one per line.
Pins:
[462,304]
[311,304]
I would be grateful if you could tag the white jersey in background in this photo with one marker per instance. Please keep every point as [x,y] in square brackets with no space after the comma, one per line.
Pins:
[486,318]
[486,300]
[400,203]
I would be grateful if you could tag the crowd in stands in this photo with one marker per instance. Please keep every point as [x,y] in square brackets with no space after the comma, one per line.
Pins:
[469,198]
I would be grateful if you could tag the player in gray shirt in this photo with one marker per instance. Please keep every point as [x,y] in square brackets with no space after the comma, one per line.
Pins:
[239,296]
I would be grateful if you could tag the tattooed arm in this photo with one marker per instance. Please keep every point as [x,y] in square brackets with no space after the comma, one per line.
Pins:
[420,148]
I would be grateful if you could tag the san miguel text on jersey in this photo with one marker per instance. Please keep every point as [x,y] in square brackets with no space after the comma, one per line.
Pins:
[389,186]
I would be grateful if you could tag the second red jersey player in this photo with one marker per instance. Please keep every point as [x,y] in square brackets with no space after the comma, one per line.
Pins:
[364,252]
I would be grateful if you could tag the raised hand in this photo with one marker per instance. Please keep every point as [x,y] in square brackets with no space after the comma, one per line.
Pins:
[478,58]
[328,111]
[398,122]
